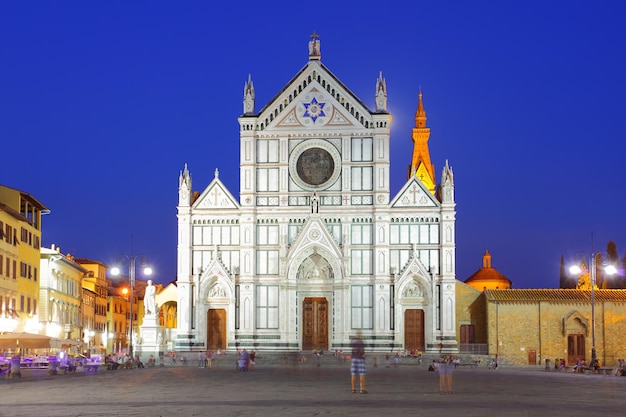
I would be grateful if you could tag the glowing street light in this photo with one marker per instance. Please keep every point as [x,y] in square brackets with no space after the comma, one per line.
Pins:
[577,270]
[133,260]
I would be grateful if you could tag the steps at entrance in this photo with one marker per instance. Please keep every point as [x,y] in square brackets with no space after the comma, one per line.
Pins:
[329,358]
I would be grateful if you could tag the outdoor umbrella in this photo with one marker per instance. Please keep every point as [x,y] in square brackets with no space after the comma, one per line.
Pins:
[24,341]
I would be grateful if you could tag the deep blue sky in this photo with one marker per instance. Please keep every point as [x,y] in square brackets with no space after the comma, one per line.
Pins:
[102,104]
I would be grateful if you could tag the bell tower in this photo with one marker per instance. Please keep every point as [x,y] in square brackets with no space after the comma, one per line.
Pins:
[420,163]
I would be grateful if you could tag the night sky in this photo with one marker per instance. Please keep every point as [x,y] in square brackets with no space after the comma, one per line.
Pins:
[101,105]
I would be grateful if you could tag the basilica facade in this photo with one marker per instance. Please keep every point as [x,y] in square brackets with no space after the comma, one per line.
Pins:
[316,249]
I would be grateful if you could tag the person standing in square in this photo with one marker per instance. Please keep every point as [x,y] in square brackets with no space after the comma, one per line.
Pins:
[357,366]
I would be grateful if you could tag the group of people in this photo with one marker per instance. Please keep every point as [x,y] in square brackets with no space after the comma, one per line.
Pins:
[445,368]
[581,365]
[122,361]
[246,360]
[206,359]
[559,364]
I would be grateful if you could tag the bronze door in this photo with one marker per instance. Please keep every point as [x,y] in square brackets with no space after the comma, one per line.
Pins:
[414,329]
[315,324]
[216,329]
[575,348]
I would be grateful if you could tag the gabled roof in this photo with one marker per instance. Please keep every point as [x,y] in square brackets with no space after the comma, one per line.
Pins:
[304,69]
[216,196]
[555,295]
[414,194]
[314,87]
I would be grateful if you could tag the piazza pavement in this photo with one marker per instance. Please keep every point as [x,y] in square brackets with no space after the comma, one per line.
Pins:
[305,389]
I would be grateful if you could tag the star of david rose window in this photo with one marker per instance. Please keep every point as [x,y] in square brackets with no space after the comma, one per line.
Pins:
[314,109]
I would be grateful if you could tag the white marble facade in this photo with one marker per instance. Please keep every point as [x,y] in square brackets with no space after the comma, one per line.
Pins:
[316,248]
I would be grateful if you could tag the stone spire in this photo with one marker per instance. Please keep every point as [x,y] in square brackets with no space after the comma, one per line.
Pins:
[420,163]
[446,188]
[248,96]
[315,53]
[184,187]
[381,94]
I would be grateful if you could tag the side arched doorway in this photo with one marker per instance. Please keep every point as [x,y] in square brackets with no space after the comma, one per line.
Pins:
[216,328]
[575,348]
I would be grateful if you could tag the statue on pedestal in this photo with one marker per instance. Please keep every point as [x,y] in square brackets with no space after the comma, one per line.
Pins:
[148,299]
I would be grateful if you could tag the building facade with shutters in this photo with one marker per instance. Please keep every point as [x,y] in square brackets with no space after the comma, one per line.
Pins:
[20,241]
[316,248]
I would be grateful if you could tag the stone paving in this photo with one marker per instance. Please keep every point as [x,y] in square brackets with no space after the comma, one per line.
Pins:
[308,390]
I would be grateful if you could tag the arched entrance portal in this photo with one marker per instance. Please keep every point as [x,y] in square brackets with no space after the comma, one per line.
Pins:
[216,329]
[315,323]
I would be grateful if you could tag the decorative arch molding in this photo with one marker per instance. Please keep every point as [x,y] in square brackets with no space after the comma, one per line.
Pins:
[574,322]
[415,283]
[313,250]
[216,286]
[414,289]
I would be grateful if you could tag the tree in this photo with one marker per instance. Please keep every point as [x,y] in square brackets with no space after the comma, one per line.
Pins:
[584,279]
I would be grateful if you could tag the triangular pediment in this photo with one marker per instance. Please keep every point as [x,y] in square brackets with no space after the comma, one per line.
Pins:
[216,268]
[216,196]
[414,278]
[315,99]
[216,282]
[315,233]
[314,240]
[414,194]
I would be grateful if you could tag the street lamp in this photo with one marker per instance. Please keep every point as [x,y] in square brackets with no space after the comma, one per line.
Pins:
[577,270]
[115,271]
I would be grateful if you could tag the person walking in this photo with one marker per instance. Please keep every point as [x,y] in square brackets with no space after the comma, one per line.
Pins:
[445,369]
[357,366]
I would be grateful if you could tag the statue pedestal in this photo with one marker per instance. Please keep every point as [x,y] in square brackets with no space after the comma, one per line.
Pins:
[151,342]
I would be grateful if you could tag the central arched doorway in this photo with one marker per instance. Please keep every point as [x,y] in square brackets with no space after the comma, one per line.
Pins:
[315,323]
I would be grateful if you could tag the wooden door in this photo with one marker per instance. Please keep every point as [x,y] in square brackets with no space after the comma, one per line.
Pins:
[575,348]
[216,329]
[467,334]
[414,329]
[532,357]
[314,324]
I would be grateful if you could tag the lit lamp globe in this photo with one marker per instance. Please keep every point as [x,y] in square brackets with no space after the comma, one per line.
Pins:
[609,270]
[115,271]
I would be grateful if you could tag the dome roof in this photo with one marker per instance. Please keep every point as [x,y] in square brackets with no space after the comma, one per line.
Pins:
[488,277]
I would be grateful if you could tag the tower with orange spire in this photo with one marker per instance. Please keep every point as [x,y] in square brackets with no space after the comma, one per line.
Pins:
[421,166]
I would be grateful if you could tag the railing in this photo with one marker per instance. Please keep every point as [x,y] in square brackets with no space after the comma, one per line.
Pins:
[475,348]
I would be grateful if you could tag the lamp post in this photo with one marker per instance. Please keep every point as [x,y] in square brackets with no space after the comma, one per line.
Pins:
[115,271]
[577,270]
